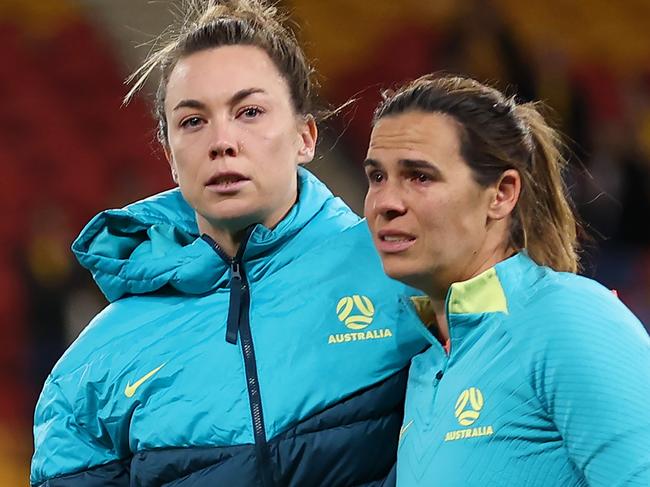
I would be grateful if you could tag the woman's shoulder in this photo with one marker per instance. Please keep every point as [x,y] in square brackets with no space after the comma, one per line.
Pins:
[570,306]
[564,292]
[114,334]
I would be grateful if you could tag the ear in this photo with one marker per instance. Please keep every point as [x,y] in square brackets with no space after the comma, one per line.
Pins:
[505,195]
[172,163]
[308,135]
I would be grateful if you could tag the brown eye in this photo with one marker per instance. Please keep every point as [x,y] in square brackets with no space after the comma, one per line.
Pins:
[420,177]
[375,177]
[251,112]
[191,122]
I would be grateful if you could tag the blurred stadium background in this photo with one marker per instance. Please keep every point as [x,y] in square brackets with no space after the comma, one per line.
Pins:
[68,149]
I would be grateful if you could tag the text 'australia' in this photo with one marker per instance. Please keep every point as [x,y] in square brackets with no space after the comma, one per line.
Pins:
[358,336]
[469,433]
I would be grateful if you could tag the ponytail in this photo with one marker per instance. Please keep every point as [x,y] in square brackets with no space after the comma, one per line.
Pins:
[547,220]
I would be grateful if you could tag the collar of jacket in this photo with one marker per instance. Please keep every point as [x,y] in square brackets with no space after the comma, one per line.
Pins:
[469,302]
[155,242]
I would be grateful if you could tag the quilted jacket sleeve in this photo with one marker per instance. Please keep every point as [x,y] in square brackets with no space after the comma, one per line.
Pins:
[66,454]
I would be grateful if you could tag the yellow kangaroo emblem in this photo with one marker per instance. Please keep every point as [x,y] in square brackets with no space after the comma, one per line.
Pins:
[129,390]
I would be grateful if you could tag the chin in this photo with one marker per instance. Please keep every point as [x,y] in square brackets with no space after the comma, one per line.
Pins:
[409,275]
[398,271]
[231,211]
[230,220]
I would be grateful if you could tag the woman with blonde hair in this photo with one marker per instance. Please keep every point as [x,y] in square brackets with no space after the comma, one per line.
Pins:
[250,338]
[535,376]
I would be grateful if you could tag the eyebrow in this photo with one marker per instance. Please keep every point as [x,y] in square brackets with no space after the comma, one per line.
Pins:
[234,99]
[407,164]
[419,164]
[371,162]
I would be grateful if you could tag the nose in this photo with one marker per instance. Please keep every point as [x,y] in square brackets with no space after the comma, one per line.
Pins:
[386,203]
[223,143]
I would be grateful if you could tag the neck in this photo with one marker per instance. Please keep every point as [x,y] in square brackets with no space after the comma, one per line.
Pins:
[440,327]
[228,234]
[483,262]
[438,294]
[228,239]
[228,242]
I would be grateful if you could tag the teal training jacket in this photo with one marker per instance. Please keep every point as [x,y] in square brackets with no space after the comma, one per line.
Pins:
[547,384]
[306,389]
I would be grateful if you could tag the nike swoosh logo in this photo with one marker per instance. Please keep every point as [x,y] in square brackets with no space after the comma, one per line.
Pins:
[403,430]
[130,390]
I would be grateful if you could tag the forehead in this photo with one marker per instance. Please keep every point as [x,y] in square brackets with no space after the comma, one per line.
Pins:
[431,135]
[222,71]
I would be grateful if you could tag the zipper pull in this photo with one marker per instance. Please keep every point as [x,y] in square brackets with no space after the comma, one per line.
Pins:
[234,309]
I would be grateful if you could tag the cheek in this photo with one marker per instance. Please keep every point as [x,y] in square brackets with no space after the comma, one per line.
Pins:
[472,215]
[184,166]
[187,170]
[181,150]
[446,217]
[273,152]
[368,205]
[270,135]
[434,210]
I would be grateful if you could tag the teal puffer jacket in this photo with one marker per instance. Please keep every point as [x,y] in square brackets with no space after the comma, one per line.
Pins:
[283,366]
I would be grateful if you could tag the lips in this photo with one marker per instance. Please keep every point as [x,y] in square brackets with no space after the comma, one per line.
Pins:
[226,182]
[393,241]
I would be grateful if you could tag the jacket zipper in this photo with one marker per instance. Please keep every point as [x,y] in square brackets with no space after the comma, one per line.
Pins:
[238,323]
[443,369]
[434,343]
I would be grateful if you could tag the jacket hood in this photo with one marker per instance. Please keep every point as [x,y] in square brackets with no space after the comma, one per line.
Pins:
[155,242]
